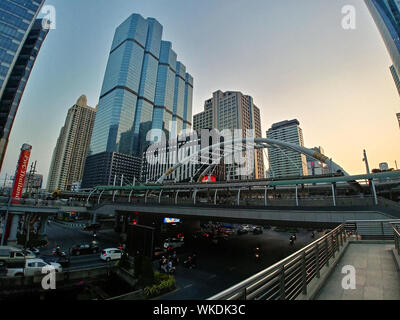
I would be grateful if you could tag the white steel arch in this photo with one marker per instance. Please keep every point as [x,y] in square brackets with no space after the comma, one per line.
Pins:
[259,143]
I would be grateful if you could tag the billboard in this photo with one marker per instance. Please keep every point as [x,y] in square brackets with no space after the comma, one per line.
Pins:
[20,174]
[172,220]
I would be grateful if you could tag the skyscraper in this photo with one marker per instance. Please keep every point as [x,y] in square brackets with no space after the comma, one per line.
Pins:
[72,147]
[386,14]
[21,37]
[283,163]
[233,110]
[144,88]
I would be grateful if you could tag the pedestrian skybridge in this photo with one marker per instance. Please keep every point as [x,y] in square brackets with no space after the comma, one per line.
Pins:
[358,260]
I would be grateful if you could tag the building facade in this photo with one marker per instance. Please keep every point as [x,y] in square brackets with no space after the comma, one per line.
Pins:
[316,167]
[386,14]
[284,163]
[72,147]
[233,110]
[21,37]
[145,87]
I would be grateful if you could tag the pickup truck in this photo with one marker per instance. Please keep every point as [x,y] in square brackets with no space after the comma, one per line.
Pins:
[8,254]
[29,268]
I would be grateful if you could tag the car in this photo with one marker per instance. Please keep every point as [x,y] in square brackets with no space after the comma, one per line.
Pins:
[257,230]
[92,227]
[29,254]
[63,260]
[173,243]
[31,267]
[246,227]
[84,249]
[111,254]
[243,230]
[158,252]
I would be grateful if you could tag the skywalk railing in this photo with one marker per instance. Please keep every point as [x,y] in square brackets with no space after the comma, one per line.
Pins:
[290,277]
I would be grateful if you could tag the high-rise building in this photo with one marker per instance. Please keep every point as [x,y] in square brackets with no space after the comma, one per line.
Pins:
[72,147]
[233,110]
[386,14]
[284,163]
[144,88]
[21,37]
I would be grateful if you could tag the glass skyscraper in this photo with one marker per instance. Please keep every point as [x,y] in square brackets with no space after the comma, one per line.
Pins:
[144,88]
[21,37]
[386,14]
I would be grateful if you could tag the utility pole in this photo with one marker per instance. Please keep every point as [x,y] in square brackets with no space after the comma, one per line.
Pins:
[366,162]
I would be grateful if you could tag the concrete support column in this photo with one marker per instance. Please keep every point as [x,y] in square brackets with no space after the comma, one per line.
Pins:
[334,195]
[374,192]
[43,225]
[12,239]
[297,195]
[94,218]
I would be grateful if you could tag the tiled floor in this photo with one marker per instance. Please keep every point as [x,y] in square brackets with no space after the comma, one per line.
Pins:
[377,276]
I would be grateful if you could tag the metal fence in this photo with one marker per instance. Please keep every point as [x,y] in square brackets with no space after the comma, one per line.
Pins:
[290,277]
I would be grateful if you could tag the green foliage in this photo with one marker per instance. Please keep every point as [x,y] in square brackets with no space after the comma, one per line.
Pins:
[166,285]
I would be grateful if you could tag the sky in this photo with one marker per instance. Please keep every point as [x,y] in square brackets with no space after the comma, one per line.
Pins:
[293,57]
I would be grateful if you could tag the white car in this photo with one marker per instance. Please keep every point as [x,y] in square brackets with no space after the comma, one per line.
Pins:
[32,267]
[111,254]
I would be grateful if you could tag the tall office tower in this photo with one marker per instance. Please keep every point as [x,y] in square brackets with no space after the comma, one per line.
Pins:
[144,88]
[21,37]
[233,110]
[72,147]
[284,163]
[386,14]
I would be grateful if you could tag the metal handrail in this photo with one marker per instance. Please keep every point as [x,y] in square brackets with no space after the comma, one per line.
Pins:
[396,230]
[287,279]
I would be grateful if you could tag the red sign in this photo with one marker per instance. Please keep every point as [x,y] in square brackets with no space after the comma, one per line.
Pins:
[209,179]
[20,174]
[19,181]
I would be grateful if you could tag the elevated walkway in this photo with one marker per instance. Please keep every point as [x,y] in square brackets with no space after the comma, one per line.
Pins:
[376,271]
[338,266]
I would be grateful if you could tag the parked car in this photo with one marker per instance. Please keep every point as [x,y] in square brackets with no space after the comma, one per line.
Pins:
[111,254]
[31,267]
[173,243]
[257,230]
[84,249]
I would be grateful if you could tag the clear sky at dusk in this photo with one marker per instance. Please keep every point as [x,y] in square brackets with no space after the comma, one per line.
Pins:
[293,57]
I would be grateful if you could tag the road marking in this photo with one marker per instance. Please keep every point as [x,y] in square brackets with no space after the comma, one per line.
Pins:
[188,286]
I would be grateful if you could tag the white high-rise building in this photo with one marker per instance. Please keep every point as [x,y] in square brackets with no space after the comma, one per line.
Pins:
[72,147]
[233,110]
[284,163]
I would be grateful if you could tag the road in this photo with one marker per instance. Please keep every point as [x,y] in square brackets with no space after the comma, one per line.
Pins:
[228,263]
[66,237]
[219,266]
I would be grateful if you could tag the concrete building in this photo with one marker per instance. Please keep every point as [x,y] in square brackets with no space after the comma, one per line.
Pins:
[145,87]
[21,37]
[285,163]
[315,167]
[233,110]
[72,147]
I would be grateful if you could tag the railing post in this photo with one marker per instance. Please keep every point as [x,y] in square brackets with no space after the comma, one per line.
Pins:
[318,273]
[304,267]
[327,251]
[282,284]
[333,246]
[266,197]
